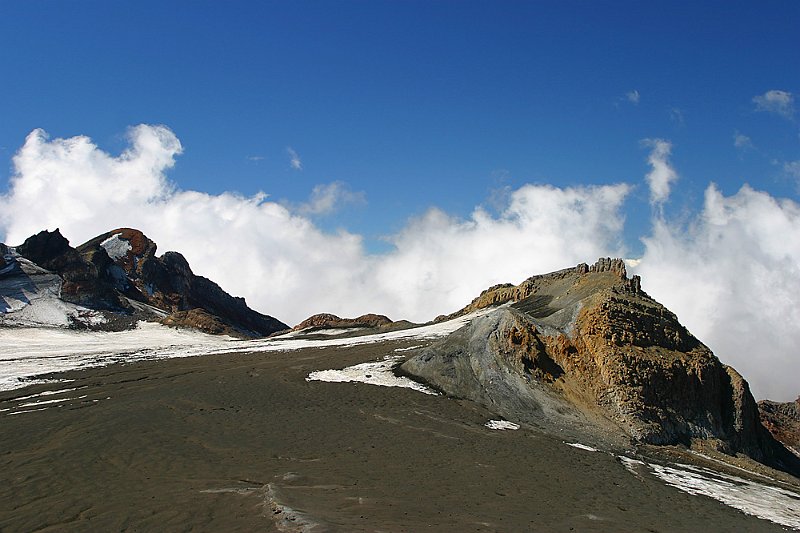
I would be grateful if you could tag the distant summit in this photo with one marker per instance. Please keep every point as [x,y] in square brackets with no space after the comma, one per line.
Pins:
[585,351]
[114,280]
[330,321]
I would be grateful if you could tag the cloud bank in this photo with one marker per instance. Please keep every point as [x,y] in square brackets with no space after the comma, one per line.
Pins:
[731,274]
[733,278]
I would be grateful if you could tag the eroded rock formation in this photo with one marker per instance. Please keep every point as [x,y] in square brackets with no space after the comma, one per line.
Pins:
[586,346]
[329,321]
[119,271]
[782,419]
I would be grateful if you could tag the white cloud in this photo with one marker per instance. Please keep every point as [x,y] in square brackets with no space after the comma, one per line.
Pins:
[442,262]
[328,198]
[661,175]
[294,159]
[742,142]
[255,158]
[633,97]
[732,275]
[277,257]
[774,101]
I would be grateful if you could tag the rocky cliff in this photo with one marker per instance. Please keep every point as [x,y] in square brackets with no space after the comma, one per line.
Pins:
[167,282]
[782,419]
[586,347]
[119,272]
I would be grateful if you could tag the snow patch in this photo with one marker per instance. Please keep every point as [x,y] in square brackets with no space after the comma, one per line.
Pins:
[27,352]
[115,247]
[631,465]
[501,425]
[770,503]
[374,373]
[581,446]
[330,331]
[763,501]
[408,348]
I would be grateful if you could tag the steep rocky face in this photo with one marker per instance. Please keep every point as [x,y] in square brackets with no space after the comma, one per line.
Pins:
[167,282]
[783,421]
[327,321]
[587,342]
[84,282]
[119,270]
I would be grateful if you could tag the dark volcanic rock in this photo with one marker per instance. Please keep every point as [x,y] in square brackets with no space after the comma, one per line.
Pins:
[587,344]
[168,283]
[328,321]
[44,247]
[783,421]
[84,283]
[116,270]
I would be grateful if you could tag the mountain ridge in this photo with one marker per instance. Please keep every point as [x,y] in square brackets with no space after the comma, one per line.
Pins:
[117,278]
[586,348]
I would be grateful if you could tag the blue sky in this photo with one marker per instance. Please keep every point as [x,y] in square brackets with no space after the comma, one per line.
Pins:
[413,103]
[414,153]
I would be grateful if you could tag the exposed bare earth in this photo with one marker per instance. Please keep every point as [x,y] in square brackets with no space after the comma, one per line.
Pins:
[244,443]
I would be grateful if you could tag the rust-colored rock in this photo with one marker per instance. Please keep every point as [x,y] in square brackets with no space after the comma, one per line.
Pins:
[201,320]
[168,283]
[118,271]
[330,321]
[782,419]
[586,346]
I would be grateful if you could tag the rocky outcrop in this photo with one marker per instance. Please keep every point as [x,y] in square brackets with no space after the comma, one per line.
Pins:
[329,321]
[201,320]
[586,346]
[119,272]
[782,419]
[167,282]
[507,292]
[84,282]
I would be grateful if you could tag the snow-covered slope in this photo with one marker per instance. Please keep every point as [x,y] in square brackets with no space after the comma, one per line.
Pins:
[31,296]
[29,352]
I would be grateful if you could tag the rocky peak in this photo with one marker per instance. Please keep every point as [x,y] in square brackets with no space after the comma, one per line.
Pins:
[128,248]
[605,273]
[585,348]
[118,270]
[83,282]
[44,247]
[607,264]
[330,321]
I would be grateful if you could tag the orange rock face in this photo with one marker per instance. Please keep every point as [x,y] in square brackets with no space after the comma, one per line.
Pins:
[783,421]
[589,341]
